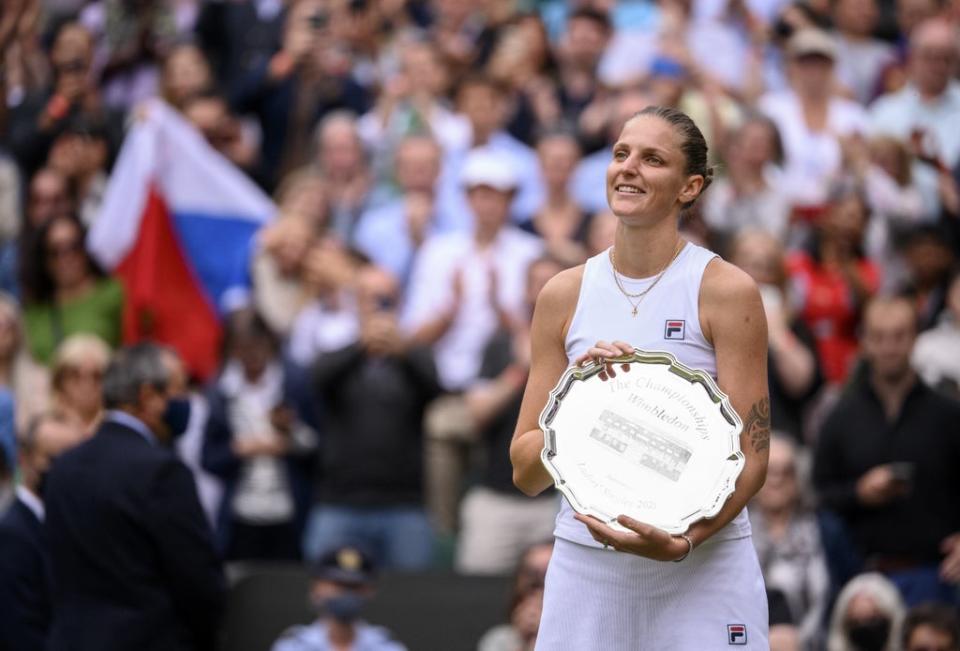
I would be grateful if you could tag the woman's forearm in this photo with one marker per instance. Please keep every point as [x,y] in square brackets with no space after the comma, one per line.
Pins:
[529,475]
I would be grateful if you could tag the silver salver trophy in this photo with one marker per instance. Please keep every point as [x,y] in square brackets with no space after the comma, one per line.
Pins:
[660,443]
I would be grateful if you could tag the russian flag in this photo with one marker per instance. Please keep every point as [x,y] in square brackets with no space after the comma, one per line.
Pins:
[177,228]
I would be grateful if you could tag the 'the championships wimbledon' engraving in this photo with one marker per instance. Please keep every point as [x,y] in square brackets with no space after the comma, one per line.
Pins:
[669,396]
[657,452]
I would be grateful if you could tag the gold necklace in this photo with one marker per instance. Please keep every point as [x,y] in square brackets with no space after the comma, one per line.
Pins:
[640,296]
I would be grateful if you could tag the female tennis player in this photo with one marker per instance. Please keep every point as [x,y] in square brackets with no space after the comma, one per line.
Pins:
[646,589]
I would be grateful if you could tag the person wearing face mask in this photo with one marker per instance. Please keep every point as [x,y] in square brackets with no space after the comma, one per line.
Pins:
[132,557]
[867,616]
[25,608]
[343,582]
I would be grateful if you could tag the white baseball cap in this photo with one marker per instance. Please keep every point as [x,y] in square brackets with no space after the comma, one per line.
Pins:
[486,167]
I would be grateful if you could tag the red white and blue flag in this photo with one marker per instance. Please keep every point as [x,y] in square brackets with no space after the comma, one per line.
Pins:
[177,227]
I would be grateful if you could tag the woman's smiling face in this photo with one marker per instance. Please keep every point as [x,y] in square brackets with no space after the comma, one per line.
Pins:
[647,176]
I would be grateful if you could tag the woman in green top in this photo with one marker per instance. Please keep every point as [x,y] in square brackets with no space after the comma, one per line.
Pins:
[64,291]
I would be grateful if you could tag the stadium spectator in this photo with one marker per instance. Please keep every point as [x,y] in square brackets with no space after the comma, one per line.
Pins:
[211,115]
[936,356]
[861,58]
[132,39]
[43,115]
[832,280]
[787,539]
[125,527]
[22,379]
[560,221]
[76,379]
[65,292]
[282,256]
[288,93]
[929,260]
[747,196]
[885,462]
[482,102]
[795,374]
[931,627]
[372,395]
[392,234]
[345,166]
[496,522]
[24,562]
[811,118]
[868,614]
[81,152]
[923,112]
[185,74]
[256,441]
[526,603]
[465,285]
[344,580]
[48,196]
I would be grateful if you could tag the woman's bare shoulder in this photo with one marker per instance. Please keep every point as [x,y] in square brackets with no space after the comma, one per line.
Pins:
[562,291]
[729,298]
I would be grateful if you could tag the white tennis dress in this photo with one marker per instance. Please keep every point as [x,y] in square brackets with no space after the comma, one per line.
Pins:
[600,599]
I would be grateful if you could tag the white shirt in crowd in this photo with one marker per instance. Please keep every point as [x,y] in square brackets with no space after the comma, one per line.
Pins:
[899,114]
[813,158]
[458,352]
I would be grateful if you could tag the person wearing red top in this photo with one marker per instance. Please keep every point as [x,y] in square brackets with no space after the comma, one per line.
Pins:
[832,280]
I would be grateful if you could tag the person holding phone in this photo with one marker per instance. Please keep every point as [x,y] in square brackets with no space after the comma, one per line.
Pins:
[886,464]
[614,590]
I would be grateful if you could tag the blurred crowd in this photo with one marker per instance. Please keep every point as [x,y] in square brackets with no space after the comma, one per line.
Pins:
[433,164]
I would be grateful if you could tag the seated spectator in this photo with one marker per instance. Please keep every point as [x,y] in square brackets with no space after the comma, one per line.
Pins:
[748,195]
[496,521]
[372,394]
[936,357]
[886,461]
[24,563]
[465,285]
[787,539]
[794,372]
[811,118]
[783,634]
[343,581]
[526,604]
[284,247]
[832,280]
[24,380]
[185,74]
[258,443]
[65,292]
[603,228]
[931,627]
[867,616]
[76,380]
[560,221]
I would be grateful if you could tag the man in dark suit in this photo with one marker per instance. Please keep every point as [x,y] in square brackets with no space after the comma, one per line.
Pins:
[24,563]
[133,560]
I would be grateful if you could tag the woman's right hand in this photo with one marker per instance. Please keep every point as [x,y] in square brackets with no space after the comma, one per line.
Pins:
[603,350]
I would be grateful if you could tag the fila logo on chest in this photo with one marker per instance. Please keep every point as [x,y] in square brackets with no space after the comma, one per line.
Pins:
[674,329]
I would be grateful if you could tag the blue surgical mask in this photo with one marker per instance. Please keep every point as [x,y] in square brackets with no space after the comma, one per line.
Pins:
[177,416]
[345,607]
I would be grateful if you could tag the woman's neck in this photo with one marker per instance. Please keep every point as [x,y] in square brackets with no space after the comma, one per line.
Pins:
[74,290]
[644,251]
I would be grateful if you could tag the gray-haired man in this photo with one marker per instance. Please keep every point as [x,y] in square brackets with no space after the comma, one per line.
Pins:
[133,561]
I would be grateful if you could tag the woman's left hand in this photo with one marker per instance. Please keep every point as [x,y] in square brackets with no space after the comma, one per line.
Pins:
[642,539]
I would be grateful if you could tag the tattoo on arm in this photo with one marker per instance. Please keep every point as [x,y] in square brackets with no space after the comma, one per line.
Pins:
[757,425]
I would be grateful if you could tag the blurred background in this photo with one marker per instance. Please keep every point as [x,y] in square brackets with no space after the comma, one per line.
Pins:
[339,213]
